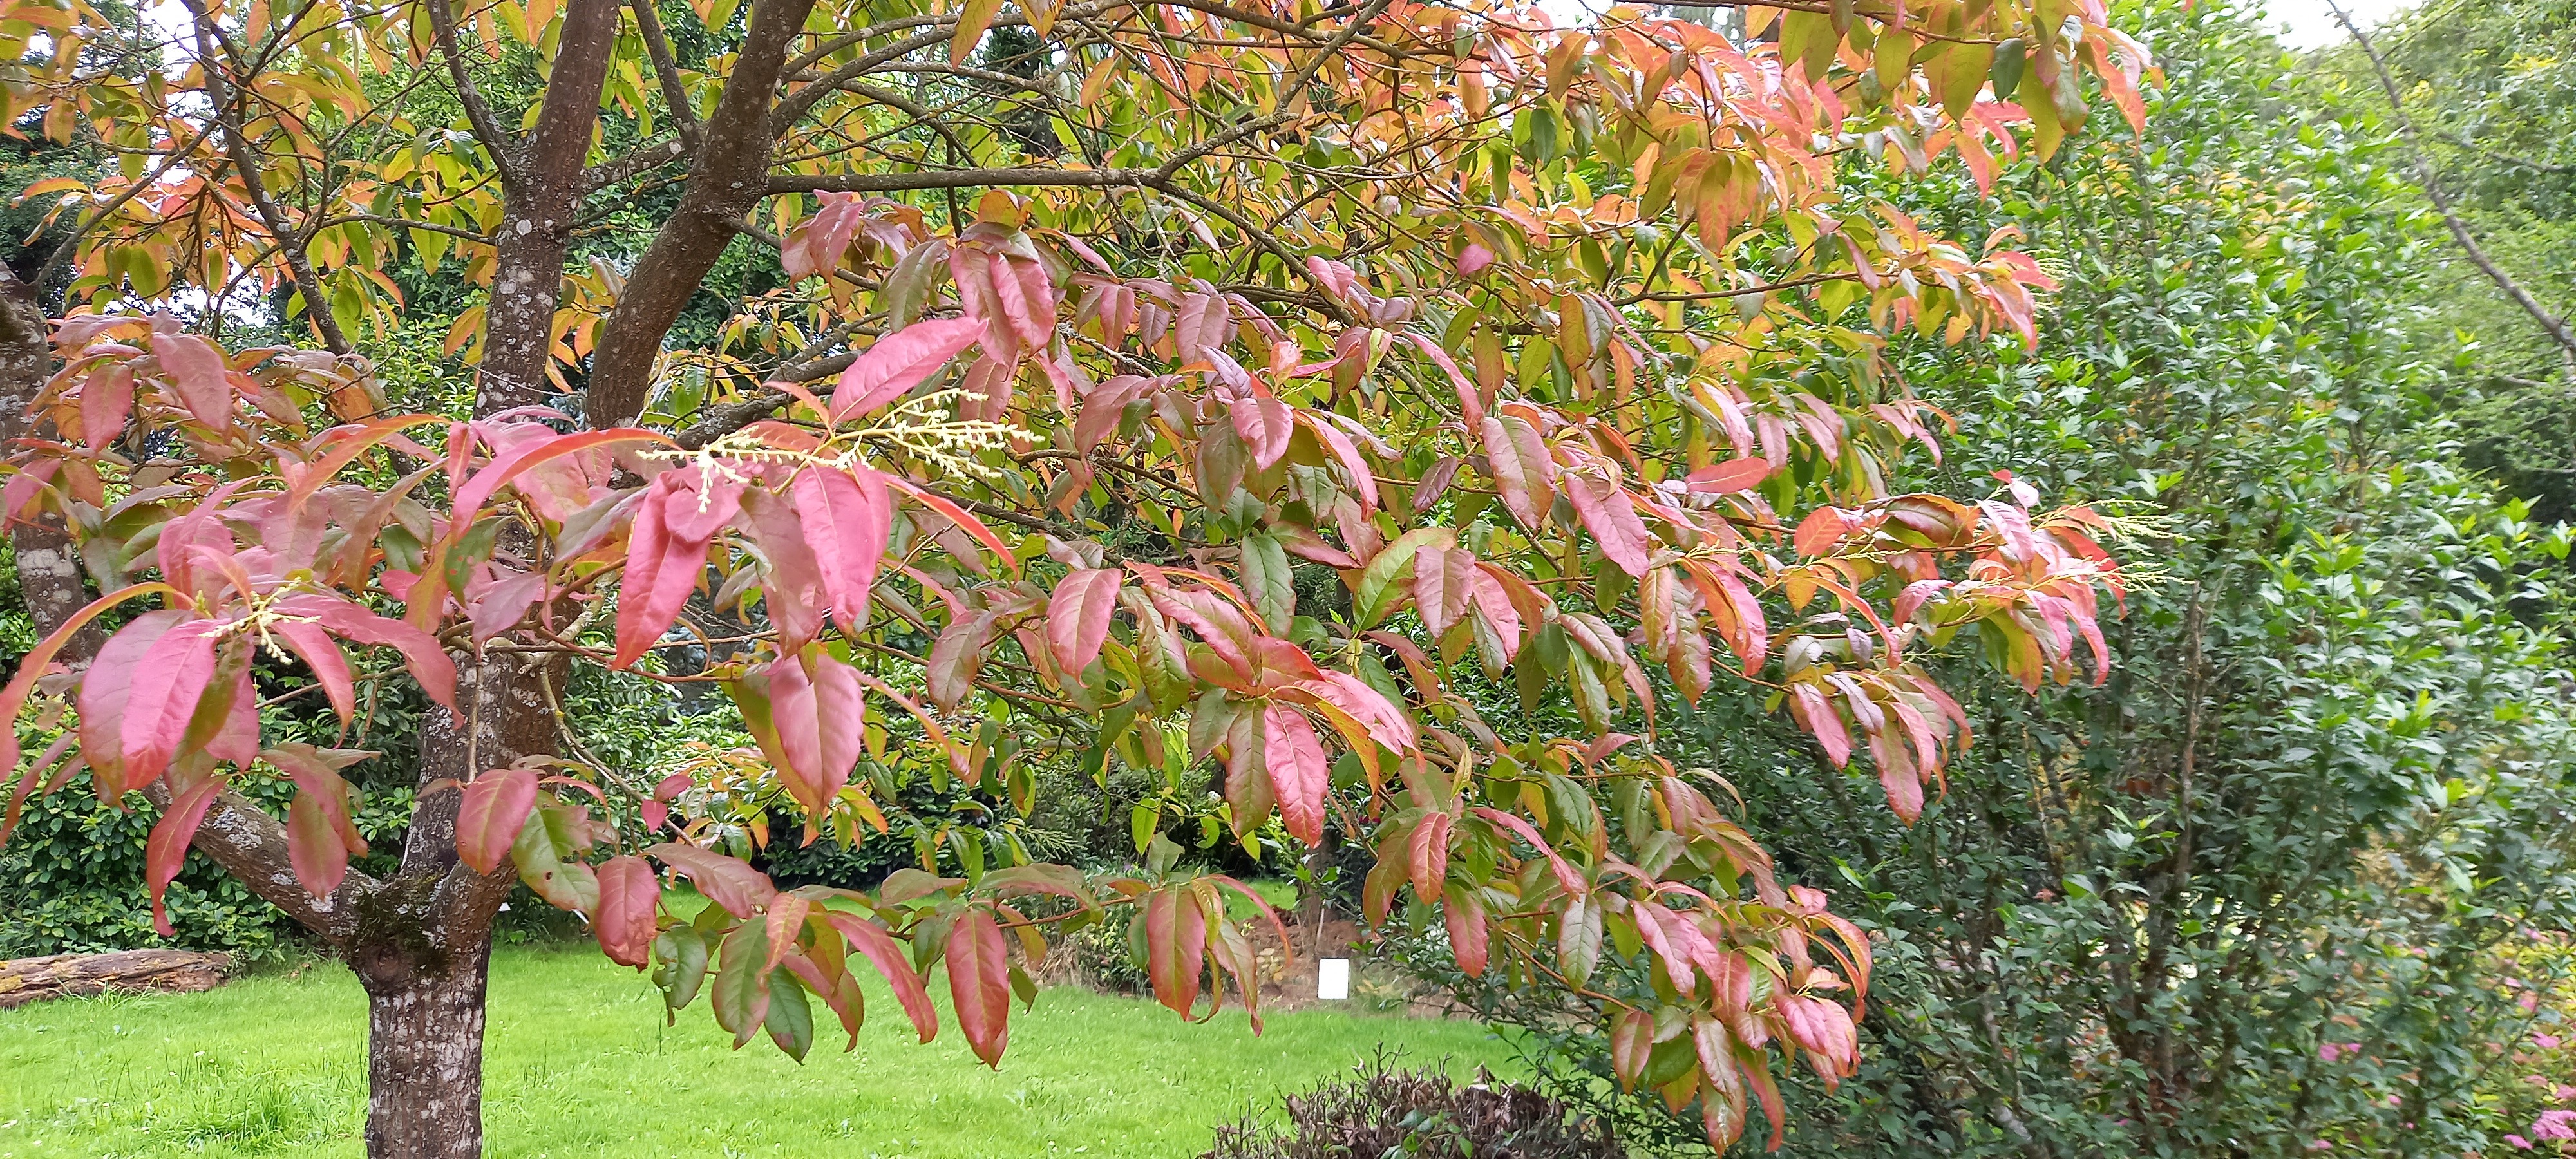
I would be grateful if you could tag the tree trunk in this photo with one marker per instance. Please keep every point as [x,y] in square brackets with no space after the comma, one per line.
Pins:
[425,1047]
[49,571]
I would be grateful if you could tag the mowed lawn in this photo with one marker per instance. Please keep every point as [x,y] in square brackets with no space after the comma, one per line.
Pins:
[579,1064]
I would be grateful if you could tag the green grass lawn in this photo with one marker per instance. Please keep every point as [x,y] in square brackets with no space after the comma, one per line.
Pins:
[579,1064]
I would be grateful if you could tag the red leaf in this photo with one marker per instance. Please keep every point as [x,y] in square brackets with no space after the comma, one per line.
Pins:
[1612,518]
[107,398]
[330,667]
[1078,615]
[531,452]
[629,894]
[317,773]
[197,369]
[950,511]
[1429,862]
[840,722]
[1465,917]
[1729,477]
[1027,300]
[1471,406]
[888,956]
[1566,877]
[1340,445]
[1518,463]
[1265,424]
[1443,585]
[1298,771]
[846,518]
[421,651]
[167,846]
[956,656]
[1722,1106]
[785,918]
[495,808]
[168,680]
[103,695]
[1825,1029]
[697,501]
[899,362]
[727,881]
[979,984]
[313,847]
[1632,1039]
[1175,948]
[661,571]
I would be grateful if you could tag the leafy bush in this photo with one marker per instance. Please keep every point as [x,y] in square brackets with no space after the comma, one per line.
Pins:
[1381,1112]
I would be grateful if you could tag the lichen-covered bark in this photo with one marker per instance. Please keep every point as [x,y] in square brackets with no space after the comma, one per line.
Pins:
[49,571]
[536,225]
[425,1044]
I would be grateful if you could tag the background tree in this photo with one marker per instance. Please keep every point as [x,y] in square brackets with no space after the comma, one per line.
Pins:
[1560,348]
[2288,881]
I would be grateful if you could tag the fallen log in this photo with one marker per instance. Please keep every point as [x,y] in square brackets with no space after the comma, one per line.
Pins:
[25,980]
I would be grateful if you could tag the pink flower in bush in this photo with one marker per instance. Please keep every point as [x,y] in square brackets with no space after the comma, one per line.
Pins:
[2545,1041]
[2529,1002]
[2555,1125]
[2563,1093]
[2338,1051]
[2320,1145]
[2519,1143]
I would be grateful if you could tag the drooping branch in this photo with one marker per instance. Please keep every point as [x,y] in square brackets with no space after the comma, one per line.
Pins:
[727,179]
[2551,324]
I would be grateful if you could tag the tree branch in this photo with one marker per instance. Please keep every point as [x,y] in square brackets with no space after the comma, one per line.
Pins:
[500,143]
[254,183]
[666,69]
[727,179]
[2551,324]
[536,226]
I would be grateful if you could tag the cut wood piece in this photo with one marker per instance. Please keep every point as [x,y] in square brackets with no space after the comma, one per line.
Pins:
[25,980]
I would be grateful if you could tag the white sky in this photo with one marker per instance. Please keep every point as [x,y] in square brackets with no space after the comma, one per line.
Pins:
[2310,24]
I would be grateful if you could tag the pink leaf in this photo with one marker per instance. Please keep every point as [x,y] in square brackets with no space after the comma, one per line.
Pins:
[891,961]
[107,398]
[488,820]
[727,881]
[901,361]
[661,571]
[1298,772]
[1078,616]
[847,518]
[629,895]
[979,984]
[330,668]
[197,369]
[1265,424]
[167,847]
[168,680]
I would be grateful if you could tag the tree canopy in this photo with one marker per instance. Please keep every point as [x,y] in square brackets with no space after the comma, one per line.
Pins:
[1158,383]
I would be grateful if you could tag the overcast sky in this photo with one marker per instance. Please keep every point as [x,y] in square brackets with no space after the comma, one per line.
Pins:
[2309,24]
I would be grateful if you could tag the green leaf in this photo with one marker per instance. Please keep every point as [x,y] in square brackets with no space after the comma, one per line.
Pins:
[680,955]
[790,1021]
[1273,587]
[741,993]
[1378,589]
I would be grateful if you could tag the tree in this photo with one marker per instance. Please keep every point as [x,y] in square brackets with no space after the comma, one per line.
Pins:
[1322,348]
